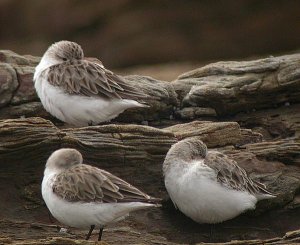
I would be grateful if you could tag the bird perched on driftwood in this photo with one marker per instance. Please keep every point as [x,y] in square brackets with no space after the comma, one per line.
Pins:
[81,91]
[83,196]
[208,186]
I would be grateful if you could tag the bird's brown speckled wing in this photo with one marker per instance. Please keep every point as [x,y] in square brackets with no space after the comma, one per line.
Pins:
[233,176]
[90,184]
[90,78]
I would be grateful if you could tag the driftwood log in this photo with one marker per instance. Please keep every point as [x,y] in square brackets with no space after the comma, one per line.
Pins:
[289,238]
[249,110]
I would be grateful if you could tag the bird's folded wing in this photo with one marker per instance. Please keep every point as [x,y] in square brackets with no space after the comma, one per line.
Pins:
[91,79]
[232,176]
[90,184]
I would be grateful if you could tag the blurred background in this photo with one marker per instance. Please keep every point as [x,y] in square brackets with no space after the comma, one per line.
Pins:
[161,38]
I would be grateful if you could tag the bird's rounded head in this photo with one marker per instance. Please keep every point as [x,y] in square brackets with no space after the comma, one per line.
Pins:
[187,151]
[63,51]
[58,53]
[63,159]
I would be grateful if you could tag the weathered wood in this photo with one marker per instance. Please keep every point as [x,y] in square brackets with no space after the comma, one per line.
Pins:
[214,134]
[292,237]
[8,84]
[282,122]
[224,88]
[264,140]
[123,149]
[231,87]
[136,153]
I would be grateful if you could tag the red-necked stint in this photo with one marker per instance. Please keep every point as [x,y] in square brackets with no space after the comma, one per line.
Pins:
[81,91]
[83,196]
[208,186]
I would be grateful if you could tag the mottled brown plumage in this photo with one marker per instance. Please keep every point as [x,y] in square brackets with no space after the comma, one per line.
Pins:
[85,183]
[90,78]
[233,176]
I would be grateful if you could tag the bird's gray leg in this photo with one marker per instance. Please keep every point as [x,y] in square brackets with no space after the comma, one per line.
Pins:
[52,221]
[100,234]
[50,218]
[90,232]
[211,233]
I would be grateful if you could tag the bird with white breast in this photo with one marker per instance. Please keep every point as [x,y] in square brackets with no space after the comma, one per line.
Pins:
[208,186]
[83,196]
[81,91]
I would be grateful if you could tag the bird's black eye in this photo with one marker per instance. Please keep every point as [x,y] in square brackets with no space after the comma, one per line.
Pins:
[64,59]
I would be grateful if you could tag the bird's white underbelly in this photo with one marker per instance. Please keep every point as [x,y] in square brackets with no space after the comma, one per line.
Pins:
[202,198]
[80,110]
[83,215]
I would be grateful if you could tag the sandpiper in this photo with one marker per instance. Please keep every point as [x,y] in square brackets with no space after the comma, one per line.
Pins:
[81,91]
[208,186]
[83,196]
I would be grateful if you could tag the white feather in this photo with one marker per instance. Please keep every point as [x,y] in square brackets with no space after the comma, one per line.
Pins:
[194,189]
